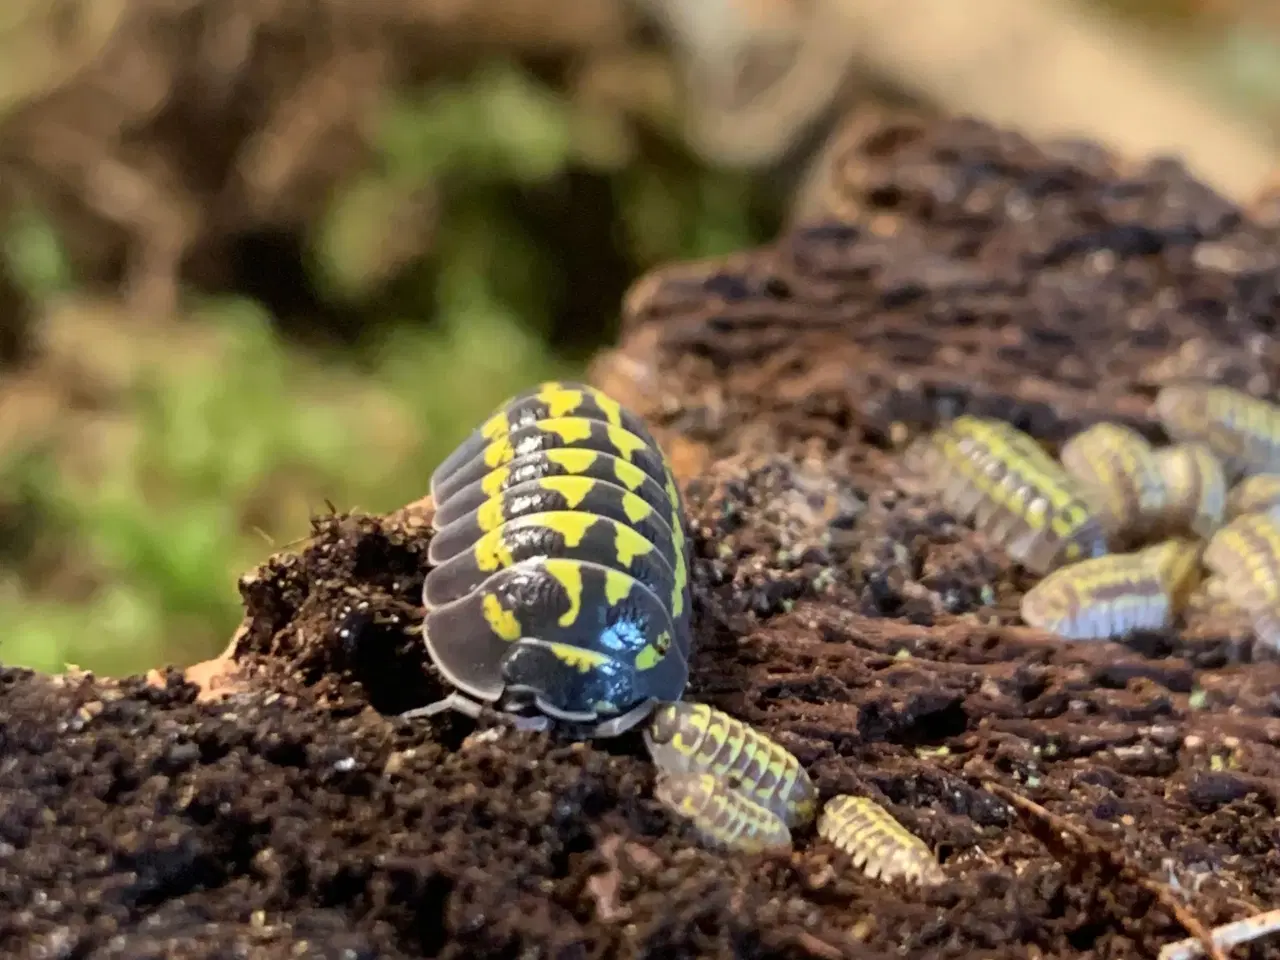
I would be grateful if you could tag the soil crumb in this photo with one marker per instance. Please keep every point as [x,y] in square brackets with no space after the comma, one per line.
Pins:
[959,268]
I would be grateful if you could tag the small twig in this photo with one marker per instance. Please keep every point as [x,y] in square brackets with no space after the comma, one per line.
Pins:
[1118,862]
[1226,936]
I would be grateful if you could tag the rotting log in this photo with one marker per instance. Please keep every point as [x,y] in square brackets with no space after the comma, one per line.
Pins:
[966,269]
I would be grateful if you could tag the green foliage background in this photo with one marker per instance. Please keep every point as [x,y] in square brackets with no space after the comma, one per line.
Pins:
[230,449]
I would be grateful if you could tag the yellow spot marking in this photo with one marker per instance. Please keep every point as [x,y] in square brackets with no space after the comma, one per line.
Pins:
[494,481]
[635,508]
[647,658]
[624,441]
[568,429]
[616,586]
[631,476]
[576,657]
[573,489]
[574,461]
[630,545]
[677,529]
[560,401]
[677,589]
[496,426]
[490,515]
[569,575]
[609,407]
[498,453]
[502,622]
[571,526]
[491,552]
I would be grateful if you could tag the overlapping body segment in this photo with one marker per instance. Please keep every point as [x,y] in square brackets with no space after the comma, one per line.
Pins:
[574,433]
[568,534]
[1117,467]
[992,474]
[553,494]
[1110,597]
[722,817]
[1212,598]
[880,846]
[581,640]
[1259,493]
[1196,489]
[1241,429]
[564,462]
[696,738]
[551,400]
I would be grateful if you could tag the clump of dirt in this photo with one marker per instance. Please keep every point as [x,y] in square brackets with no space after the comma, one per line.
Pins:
[294,815]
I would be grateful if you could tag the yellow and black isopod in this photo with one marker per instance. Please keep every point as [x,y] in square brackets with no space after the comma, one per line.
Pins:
[1259,493]
[880,846]
[563,596]
[1244,557]
[696,738]
[988,472]
[1242,430]
[1117,466]
[1195,489]
[722,817]
[1109,597]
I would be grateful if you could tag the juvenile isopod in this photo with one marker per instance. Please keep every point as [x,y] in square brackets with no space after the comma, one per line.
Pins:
[880,846]
[691,737]
[1245,556]
[1118,467]
[722,816]
[1211,598]
[1196,489]
[987,472]
[1259,493]
[1241,429]
[1109,597]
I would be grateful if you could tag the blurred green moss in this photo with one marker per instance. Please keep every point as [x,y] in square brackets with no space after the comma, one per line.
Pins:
[231,449]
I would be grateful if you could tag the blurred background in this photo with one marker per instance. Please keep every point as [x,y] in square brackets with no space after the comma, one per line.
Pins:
[262,256]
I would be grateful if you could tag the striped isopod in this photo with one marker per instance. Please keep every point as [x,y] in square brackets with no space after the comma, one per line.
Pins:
[1211,598]
[1245,556]
[723,817]
[1259,493]
[696,738]
[880,846]
[1196,489]
[1117,466]
[1109,597]
[998,477]
[1242,430]
[559,586]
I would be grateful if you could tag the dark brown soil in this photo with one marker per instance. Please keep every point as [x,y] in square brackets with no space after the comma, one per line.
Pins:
[863,627]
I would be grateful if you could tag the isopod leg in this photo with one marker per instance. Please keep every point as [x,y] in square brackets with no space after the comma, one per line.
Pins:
[624,721]
[455,701]
[474,709]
